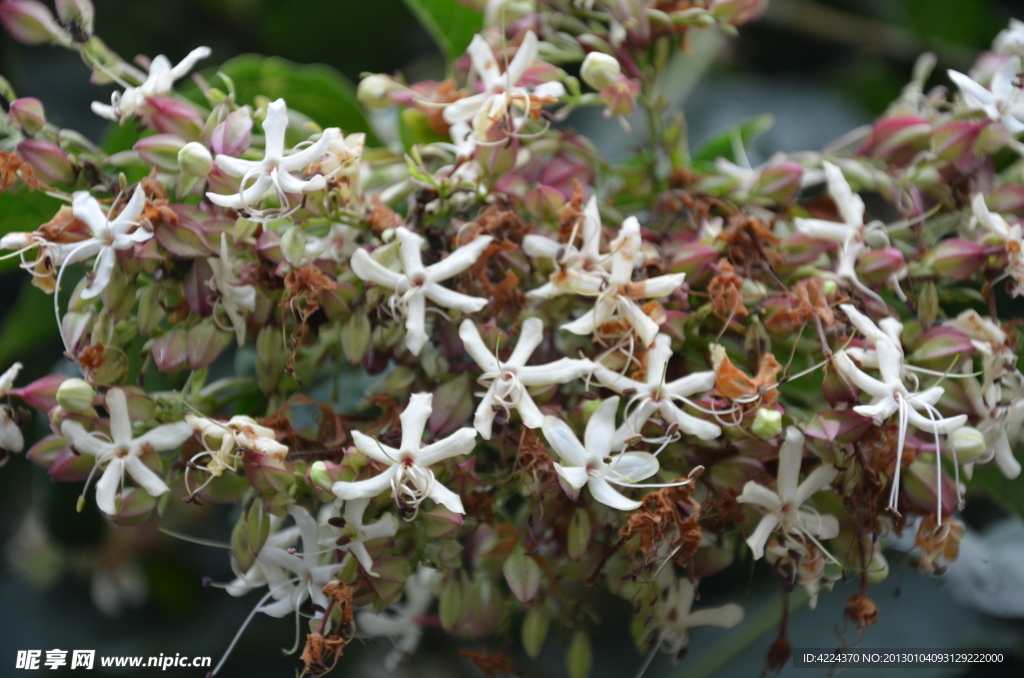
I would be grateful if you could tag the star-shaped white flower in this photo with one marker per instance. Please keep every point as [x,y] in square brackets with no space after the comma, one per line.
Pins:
[408,475]
[591,463]
[223,439]
[618,294]
[784,508]
[276,170]
[402,623]
[577,271]
[507,381]
[122,452]
[851,233]
[503,99]
[11,438]
[655,395]
[1002,102]
[108,236]
[890,395]
[352,534]
[674,616]
[417,283]
[159,82]
[1010,236]
[234,298]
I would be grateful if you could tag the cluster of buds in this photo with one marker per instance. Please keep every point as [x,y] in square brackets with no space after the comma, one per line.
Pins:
[635,424]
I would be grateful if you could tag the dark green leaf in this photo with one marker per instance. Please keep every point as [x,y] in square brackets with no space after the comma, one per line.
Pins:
[24,211]
[451,24]
[722,145]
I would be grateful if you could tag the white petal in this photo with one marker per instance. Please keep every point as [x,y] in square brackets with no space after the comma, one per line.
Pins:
[120,423]
[307,529]
[880,411]
[459,260]
[850,205]
[415,323]
[87,209]
[632,467]
[759,537]
[616,381]
[822,526]
[661,286]
[144,476]
[695,426]
[301,159]
[108,486]
[186,64]
[475,347]
[410,245]
[373,449]
[486,66]
[129,216]
[236,167]
[573,476]
[597,439]
[11,438]
[274,127]
[529,412]
[724,617]
[698,382]
[642,324]
[818,479]
[442,296]
[76,435]
[414,419]
[564,442]
[759,495]
[365,489]
[483,419]
[609,496]
[526,54]
[530,337]
[562,371]
[102,271]
[165,437]
[373,271]
[538,247]
[442,495]
[791,455]
[459,443]
[824,230]
[358,549]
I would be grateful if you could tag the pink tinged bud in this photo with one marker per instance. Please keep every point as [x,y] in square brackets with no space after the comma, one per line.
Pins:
[738,12]
[268,245]
[941,347]
[80,13]
[522,575]
[182,239]
[898,138]
[27,113]
[838,426]
[779,183]
[30,22]
[272,478]
[205,343]
[47,159]
[68,467]
[620,99]
[955,141]
[1007,199]
[546,202]
[198,293]
[452,406]
[48,450]
[693,259]
[800,249]
[160,151]
[837,389]
[877,266]
[171,116]
[232,136]
[957,259]
[921,489]
[41,393]
[170,351]
[439,523]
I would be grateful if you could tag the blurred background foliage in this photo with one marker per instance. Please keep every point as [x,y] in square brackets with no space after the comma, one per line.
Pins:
[819,67]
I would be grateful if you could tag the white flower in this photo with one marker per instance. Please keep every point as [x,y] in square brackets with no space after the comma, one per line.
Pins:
[122,453]
[11,438]
[503,99]
[591,463]
[617,296]
[674,617]
[784,508]
[353,534]
[338,244]
[851,233]
[802,562]
[402,622]
[159,82]
[221,439]
[234,298]
[1001,103]
[1010,40]
[1009,236]
[108,236]
[890,395]
[654,395]
[408,476]
[577,271]
[417,283]
[507,382]
[275,169]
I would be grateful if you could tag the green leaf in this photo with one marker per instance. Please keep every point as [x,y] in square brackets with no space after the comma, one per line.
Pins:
[316,90]
[451,24]
[30,324]
[1008,493]
[24,211]
[723,144]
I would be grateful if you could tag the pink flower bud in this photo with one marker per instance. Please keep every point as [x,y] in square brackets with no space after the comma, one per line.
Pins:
[232,136]
[170,350]
[738,12]
[877,266]
[173,117]
[957,259]
[842,426]
[955,141]
[779,183]
[620,99]
[546,202]
[1007,199]
[27,113]
[30,22]
[41,393]
[837,389]
[268,475]
[800,249]
[160,151]
[691,258]
[79,13]
[921,489]
[47,159]
[941,347]
[205,343]
[898,138]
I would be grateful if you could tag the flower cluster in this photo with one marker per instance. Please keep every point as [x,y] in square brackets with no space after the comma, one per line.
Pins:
[627,327]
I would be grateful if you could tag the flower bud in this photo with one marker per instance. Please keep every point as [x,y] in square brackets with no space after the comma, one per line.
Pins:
[270,359]
[450,608]
[160,151]
[522,574]
[842,426]
[600,71]
[620,98]
[957,259]
[767,423]
[195,160]
[955,141]
[878,568]
[546,202]
[27,113]
[927,305]
[76,395]
[580,656]
[232,136]
[205,342]
[921,490]
[30,22]
[691,258]
[940,347]
[170,350]
[578,537]
[779,183]
[898,138]
[535,631]
[79,13]
[968,443]
[41,393]
[877,266]
[374,91]
[753,291]
[319,476]
[47,159]
[171,116]
[737,12]
[1006,199]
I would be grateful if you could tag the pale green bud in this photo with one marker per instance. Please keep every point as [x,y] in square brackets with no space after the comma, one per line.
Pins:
[195,160]
[767,423]
[600,71]
[76,395]
[968,443]
[374,91]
